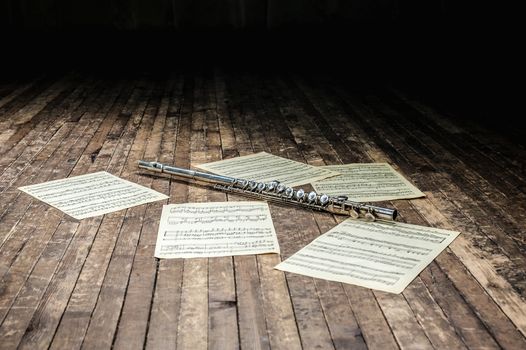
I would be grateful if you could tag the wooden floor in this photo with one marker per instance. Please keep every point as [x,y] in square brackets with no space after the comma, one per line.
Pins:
[94,283]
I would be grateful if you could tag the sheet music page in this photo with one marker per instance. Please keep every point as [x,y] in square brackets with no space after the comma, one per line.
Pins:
[266,167]
[92,194]
[367,182]
[199,230]
[380,255]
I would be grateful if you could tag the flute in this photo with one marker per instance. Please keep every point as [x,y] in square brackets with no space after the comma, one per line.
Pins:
[277,192]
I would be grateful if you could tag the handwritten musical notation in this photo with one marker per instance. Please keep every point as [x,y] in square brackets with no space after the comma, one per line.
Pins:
[367,182]
[92,194]
[377,255]
[265,167]
[193,230]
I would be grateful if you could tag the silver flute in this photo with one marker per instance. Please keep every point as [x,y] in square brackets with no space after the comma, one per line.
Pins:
[275,191]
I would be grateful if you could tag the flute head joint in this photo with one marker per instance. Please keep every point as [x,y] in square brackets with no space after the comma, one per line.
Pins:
[154,166]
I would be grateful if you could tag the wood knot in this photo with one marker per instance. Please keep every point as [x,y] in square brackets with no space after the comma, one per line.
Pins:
[223,304]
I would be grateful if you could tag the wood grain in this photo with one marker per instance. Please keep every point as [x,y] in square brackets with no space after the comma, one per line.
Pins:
[95,283]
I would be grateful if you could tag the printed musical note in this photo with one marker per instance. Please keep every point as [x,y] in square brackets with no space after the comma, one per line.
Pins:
[215,229]
[265,167]
[92,194]
[383,256]
[176,220]
[222,210]
[367,182]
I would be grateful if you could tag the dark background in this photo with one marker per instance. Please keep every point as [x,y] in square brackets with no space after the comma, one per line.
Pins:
[461,56]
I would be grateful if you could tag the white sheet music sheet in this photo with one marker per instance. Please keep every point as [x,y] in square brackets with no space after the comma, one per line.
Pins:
[266,167]
[379,255]
[193,230]
[367,182]
[92,194]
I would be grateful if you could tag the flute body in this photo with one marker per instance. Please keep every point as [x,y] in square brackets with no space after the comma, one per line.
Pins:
[277,192]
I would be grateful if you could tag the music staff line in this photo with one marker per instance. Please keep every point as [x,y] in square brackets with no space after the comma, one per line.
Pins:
[418,235]
[366,254]
[217,218]
[322,266]
[342,236]
[221,210]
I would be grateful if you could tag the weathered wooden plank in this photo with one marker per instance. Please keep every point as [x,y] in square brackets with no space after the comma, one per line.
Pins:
[133,322]
[314,331]
[193,323]
[10,126]
[222,325]
[402,321]
[22,129]
[499,149]
[407,334]
[246,126]
[249,300]
[165,311]
[16,205]
[279,314]
[40,131]
[476,184]
[105,317]
[468,326]
[369,316]
[435,323]
[43,270]
[494,314]
[16,91]
[497,175]
[56,167]
[193,326]
[193,330]
[277,311]
[327,116]
[38,103]
[226,130]
[96,284]
[406,330]
[506,296]
[24,97]
[222,310]
[73,304]
[308,137]
[343,326]
[460,252]
[41,164]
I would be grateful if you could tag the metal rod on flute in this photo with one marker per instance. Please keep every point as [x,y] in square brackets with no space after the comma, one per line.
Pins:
[275,191]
